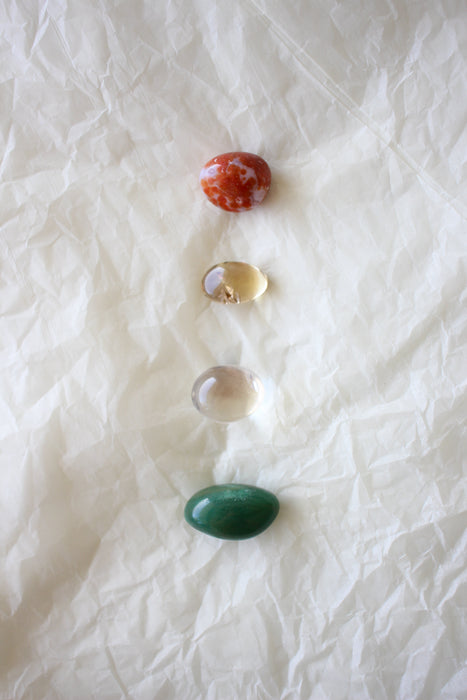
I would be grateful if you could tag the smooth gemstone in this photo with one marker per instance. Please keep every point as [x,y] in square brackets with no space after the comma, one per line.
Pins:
[234,282]
[236,181]
[227,393]
[232,511]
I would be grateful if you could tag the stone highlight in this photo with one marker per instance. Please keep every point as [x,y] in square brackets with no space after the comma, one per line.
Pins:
[232,511]
[236,181]
[234,282]
[227,393]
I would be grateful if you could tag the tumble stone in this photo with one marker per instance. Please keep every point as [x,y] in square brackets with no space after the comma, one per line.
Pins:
[234,282]
[227,393]
[236,181]
[232,511]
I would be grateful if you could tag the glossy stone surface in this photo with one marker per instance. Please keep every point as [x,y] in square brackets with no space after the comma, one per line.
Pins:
[231,511]
[234,282]
[236,181]
[227,393]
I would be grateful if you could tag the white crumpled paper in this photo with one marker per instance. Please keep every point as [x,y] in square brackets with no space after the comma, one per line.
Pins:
[109,110]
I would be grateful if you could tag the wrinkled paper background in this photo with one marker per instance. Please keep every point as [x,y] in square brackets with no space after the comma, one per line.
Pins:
[108,111]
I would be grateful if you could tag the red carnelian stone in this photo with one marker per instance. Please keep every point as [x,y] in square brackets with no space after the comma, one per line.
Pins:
[236,181]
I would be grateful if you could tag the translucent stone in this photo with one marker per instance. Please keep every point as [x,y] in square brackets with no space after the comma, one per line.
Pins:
[234,282]
[232,511]
[227,393]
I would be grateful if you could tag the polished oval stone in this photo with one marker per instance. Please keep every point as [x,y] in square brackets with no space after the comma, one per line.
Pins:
[236,181]
[227,393]
[234,282]
[231,511]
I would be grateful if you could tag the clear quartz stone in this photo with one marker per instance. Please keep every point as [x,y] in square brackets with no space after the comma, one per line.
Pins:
[234,282]
[227,393]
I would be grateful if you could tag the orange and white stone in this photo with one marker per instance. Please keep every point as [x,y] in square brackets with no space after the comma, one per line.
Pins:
[236,181]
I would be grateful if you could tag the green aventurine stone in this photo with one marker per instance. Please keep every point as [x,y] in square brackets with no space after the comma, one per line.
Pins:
[231,511]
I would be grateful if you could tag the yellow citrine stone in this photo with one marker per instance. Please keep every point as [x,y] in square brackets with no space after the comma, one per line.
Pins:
[234,282]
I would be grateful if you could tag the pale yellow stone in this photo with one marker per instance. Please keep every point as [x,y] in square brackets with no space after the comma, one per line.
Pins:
[234,282]
[227,393]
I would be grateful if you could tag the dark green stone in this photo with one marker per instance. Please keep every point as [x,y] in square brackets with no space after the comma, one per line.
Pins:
[231,511]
